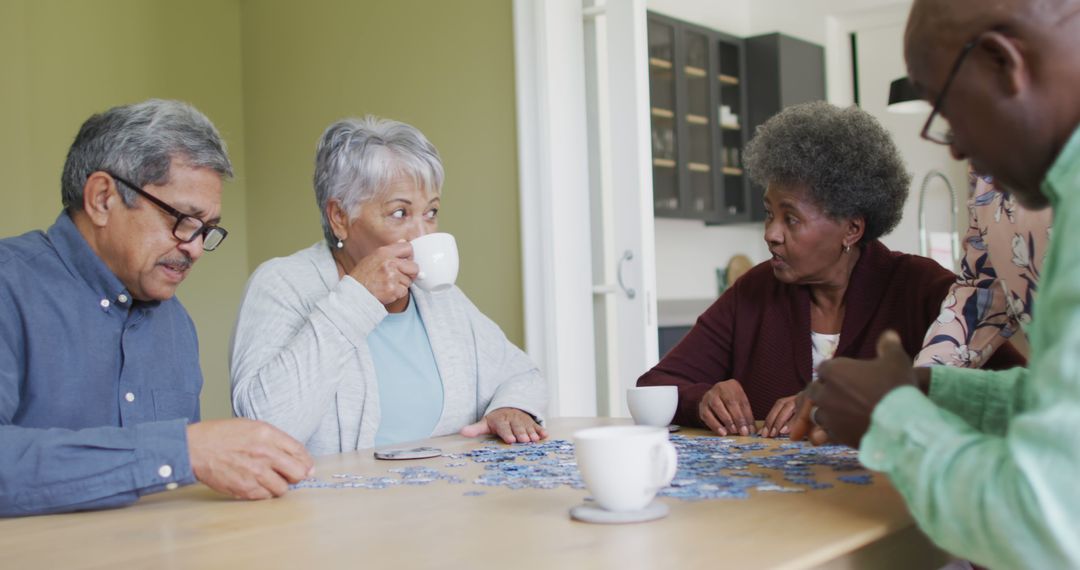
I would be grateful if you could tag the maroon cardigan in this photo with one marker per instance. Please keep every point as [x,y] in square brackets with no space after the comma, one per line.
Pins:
[758,331]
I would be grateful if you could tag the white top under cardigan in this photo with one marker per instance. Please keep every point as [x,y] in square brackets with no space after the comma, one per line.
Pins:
[300,357]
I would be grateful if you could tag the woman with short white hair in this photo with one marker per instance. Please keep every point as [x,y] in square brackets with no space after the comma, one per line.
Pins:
[335,345]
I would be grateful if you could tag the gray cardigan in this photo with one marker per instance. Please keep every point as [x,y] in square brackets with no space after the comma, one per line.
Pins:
[300,357]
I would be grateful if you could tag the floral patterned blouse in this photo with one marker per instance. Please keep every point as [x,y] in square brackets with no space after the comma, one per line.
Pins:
[993,295]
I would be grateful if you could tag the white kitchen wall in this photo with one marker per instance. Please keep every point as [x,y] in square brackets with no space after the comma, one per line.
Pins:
[728,16]
[808,19]
[879,63]
[687,252]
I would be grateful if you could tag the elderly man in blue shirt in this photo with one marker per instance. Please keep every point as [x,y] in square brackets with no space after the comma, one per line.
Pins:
[99,363]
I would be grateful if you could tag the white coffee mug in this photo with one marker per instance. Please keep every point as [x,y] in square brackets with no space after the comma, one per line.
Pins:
[624,466]
[652,405]
[437,256]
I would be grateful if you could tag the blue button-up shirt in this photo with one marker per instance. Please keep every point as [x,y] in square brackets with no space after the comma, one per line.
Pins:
[96,389]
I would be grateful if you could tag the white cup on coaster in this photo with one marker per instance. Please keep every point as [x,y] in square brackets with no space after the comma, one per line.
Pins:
[437,256]
[652,405]
[624,466]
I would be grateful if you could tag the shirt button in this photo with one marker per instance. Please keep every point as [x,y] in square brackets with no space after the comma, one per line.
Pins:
[129,397]
[165,471]
[104,303]
[122,298]
[171,486]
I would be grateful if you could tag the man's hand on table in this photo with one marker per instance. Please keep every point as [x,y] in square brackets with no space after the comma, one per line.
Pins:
[726,410]
[848,390]
[246,459]
[510,424]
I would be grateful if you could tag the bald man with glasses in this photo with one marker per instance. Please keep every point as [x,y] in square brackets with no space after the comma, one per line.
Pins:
[987,461]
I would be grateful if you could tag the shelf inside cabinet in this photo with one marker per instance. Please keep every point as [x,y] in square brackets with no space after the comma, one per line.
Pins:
[692,71]
[659,63]
[663,162]
[698,111]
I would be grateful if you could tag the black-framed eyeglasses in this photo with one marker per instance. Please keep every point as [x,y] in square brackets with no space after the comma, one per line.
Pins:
[937,127]
[187,227]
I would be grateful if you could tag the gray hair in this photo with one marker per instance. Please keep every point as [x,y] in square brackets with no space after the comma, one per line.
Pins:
[845,156]
[357,159]
[139,143]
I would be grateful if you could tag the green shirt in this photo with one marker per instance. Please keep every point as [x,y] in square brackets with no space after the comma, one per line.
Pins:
[989,463]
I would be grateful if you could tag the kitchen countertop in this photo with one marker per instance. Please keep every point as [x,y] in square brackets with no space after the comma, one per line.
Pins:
[680,312]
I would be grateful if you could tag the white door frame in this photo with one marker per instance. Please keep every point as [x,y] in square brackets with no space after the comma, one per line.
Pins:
[586,198]
[624,242]
[554,186]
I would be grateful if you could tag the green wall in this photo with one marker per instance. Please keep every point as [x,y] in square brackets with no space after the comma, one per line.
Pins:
[272,75]
[63,60]
[445,67]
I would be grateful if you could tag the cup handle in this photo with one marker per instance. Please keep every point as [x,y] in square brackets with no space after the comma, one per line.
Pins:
[668,460]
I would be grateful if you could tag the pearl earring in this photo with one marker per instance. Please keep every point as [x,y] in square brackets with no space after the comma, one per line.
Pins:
[847,248]
[340,244]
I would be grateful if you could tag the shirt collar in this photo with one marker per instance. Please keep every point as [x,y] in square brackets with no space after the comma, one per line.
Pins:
[408,314]
[1065,171]
[83,262]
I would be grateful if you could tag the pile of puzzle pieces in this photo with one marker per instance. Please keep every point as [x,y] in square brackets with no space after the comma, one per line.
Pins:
[709,468]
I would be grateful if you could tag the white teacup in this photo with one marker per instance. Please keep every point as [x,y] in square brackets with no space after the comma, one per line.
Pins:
[437,256]
[624,466]
[652,405]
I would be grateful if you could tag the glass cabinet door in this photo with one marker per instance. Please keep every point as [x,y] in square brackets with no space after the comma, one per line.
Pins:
[697,110]
[662,97]
[730,118]
[696,118]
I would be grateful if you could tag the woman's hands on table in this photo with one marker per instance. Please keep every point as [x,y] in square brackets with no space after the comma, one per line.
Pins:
[726,410]
[510,424]
[778,422]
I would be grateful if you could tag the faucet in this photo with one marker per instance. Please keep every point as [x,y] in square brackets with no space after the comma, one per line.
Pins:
[954,246]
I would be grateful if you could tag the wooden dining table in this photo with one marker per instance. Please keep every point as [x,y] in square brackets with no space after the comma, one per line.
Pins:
[445,525]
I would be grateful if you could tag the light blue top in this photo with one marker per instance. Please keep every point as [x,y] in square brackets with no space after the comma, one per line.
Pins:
[410,388]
